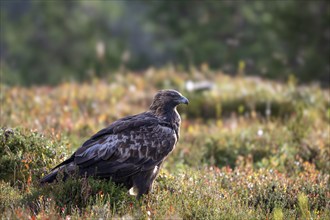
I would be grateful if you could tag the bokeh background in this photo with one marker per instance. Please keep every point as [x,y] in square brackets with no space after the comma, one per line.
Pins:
[47,42]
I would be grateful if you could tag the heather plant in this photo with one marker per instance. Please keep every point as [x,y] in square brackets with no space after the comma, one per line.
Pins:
[77,193]
[10,196]
[26,155]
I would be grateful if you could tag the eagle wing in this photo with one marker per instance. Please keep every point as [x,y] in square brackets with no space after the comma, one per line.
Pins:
[128,146]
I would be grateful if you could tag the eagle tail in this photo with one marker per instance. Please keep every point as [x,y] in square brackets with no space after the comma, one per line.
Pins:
[60,173]
[64,166]
[49,178]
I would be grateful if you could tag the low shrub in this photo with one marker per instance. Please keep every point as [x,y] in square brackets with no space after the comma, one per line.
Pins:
[25,155]
[9,196]
[79,194]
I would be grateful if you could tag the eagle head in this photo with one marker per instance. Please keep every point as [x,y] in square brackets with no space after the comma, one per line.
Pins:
[166,100]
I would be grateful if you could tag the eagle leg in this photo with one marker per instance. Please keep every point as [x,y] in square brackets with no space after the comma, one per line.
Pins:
[144,181]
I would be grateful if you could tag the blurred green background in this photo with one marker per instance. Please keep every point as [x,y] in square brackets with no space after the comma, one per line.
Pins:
[48,42]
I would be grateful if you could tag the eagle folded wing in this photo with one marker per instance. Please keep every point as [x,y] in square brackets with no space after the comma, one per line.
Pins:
[126,147]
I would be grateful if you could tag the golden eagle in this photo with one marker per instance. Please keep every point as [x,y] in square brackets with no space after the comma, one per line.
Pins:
[131,150]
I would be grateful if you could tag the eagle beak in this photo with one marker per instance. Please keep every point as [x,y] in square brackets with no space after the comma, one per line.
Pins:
[184,100]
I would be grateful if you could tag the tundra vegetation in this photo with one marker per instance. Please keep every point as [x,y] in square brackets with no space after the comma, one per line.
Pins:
[250,148]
